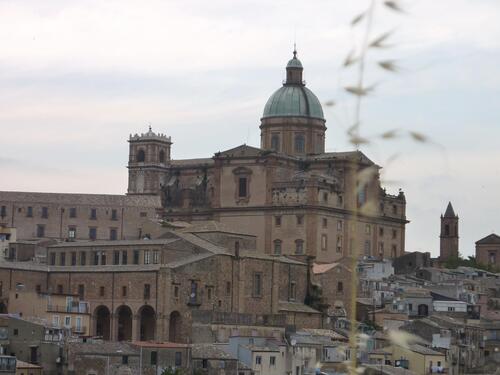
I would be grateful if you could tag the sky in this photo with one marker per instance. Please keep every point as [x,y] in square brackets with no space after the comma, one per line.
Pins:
[77,77]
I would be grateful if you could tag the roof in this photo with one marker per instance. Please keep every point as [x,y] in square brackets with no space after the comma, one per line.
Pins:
[213,226]
[440,297]
[146,201]
[417,348]
[491,239]
[104,348]
[210,351]
[22,364]
[293,100]
[449,211]
[325,333]
[243,150]
[103,243]
[159,345]
[322,268]
[389,370]
[296,307]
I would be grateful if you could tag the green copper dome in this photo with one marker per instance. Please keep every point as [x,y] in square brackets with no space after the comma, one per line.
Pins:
[293,101]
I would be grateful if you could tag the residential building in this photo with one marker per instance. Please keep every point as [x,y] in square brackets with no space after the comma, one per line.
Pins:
[488,251]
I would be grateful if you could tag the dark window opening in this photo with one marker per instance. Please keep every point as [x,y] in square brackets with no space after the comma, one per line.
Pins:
[72,212]
[242,188]
[45,212]
[114,215]
[93,214]
[300,144]
[116,257]
[147,291]
[141,156]
[136,257]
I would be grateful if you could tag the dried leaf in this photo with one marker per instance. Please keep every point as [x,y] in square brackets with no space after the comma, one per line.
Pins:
[350,59]
[389,134]
[330,103]
[357,140]
[358,19]
[393,5]
[389,65]
[359,91]
[378,42]
[419,137]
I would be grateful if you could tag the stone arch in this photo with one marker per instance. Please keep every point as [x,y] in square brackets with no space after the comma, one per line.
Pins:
[124,323]
[3,308]
[141,156]
[102,319]
[174,327]
[147,323]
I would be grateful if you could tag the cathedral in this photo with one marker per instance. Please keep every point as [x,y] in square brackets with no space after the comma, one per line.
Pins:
[293,196]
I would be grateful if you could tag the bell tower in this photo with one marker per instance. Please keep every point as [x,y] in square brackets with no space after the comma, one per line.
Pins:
[449,234]
[149,157]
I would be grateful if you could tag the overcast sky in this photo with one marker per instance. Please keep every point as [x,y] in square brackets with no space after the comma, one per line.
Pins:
[76,77]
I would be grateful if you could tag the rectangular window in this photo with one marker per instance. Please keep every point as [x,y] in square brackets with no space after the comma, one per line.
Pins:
[83,258]
[45,212]
[93,214]
[55,320]
[81,291]
[73,258]
[277,247]
[339,244]
[394,209]
[394,234]
[52,259]
[124,291]
[60,289]
[178,359]
[124,257]
[228,288]
[102,291]
[257,284]
[300,219]
[299,247]
[293,291]
[72,212]
[258,360]
[103,258]
[114,214]
[146,257]
[368,248]
[154,358]
[340,225]
[324,242]
[136,257]
[92,233]
[209,293]
[113,234]
[242,187]
[95,258]
[147,291]
[38,288]
[272,361]
[71,233]
[277,221]
[340,200]
[381,231]
[381,248]
[368,229]
[116,257]
[3,211]
[62,259]
[176,291]
[451,309]
[325,222]
[156,256]
[29,212]
[40,231]
[124,359]
[78,324]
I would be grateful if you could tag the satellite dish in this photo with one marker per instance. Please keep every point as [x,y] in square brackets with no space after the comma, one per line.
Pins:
[293,342]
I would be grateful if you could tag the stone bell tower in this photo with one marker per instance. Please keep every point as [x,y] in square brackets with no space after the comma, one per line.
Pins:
[149,156]
[449,234]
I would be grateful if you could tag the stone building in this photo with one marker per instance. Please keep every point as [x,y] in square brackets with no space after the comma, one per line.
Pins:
[449,234]
[160,289]
[488,251]
[293,195]
[75,217]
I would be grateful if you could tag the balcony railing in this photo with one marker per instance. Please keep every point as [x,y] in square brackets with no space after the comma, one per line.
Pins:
[82,309]
[216,317]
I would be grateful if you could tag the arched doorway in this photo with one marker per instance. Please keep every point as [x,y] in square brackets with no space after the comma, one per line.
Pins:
[147,325]
[423,310]
[174,328]
[102,318]
[124,316]
[3,308]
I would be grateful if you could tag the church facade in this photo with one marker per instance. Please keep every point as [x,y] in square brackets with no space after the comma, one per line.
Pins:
[296,198]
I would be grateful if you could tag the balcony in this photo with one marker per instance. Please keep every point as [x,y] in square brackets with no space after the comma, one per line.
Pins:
[80,309]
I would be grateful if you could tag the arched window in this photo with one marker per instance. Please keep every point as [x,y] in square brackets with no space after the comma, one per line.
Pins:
[275,142]
[277,247]
[446,230]
[141,156]
[161,156]
[300,143]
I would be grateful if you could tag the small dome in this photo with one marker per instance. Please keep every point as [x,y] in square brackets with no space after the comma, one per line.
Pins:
[294,63]
[293,101]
